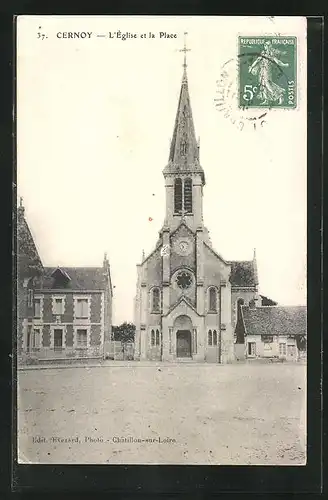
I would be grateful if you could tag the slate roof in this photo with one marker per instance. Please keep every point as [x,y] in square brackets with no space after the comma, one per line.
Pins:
[28,260]
[266,301]
[81,278]
[274,320]
[243,273]
[184,151]
[30,265]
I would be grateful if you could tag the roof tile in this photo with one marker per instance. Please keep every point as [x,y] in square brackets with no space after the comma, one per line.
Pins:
[242,273]
[274,320]
[81,278]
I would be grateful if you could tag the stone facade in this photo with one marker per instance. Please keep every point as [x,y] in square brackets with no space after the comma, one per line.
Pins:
[61,312]
[186,298]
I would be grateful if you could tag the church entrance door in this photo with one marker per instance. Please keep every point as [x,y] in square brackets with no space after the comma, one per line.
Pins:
[183,344]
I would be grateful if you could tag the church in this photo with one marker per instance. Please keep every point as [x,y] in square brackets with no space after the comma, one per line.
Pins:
[188,296]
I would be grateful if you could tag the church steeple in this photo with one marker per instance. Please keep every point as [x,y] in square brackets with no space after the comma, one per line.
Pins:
[184,177]
[184,150]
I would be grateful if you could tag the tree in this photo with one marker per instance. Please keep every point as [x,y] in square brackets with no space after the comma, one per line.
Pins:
[300,341]
[124,332]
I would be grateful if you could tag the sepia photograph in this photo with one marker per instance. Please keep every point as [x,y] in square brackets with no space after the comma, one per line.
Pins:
[161,240]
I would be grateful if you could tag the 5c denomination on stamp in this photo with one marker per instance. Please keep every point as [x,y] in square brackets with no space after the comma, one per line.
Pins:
[267,71]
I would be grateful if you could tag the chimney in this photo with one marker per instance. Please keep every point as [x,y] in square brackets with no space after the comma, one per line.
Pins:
[252,304]
[20,210]
[105,262]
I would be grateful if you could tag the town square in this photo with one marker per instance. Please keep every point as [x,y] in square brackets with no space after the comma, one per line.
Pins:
[238,414]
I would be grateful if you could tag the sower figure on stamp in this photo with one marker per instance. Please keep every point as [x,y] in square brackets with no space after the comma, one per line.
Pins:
[263,67]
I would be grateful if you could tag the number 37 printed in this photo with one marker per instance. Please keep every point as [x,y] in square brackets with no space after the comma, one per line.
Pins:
[41,36]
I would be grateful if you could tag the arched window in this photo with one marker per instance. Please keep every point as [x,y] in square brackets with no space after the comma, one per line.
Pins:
[155,300]
[212,338]
[212,299]
[239,330]
[157,338]
[152,338]
[178,195]
[188,196]
[240,302]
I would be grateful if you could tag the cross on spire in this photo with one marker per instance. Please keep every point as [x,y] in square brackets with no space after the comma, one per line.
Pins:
[185,50]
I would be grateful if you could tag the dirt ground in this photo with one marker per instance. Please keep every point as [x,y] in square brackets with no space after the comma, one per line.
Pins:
[238,414]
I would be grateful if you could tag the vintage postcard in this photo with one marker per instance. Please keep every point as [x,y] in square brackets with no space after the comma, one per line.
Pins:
[161,240]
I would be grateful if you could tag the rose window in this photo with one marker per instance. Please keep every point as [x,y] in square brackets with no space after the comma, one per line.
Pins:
[184,280]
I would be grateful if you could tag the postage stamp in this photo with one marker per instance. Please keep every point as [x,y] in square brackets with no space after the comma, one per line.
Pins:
[267,71]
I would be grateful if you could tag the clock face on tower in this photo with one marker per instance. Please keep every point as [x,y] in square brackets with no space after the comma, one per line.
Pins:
[183,246]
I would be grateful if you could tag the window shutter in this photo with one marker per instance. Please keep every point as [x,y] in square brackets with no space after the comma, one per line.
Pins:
[37,308]
[30,298]
[37,335]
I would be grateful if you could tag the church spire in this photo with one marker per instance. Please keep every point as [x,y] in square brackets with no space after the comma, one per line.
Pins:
[184,150]
[185,50]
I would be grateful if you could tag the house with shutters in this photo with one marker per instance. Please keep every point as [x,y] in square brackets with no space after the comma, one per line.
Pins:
[274,331]
[63,312]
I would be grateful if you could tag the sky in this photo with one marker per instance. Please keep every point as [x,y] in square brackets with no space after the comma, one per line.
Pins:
[94,121]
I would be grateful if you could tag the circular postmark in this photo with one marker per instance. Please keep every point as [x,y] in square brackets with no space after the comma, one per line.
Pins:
[255,113]
[226,99]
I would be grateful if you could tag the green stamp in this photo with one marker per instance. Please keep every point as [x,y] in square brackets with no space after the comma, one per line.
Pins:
[267,71]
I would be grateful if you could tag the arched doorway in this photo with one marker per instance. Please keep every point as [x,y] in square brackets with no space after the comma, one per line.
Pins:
[239,330]
[183,329]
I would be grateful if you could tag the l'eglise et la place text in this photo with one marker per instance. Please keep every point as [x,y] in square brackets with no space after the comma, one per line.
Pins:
[123,35]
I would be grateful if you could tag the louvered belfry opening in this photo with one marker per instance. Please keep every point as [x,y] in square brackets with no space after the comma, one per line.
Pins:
[178,196]
[183,196]
[188,196]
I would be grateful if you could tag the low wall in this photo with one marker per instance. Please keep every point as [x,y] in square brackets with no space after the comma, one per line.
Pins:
[47,354]
[117,350]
